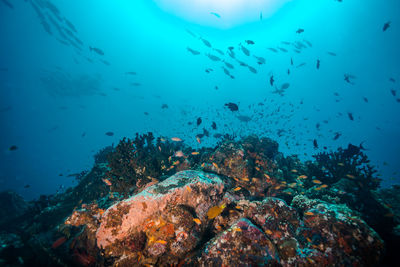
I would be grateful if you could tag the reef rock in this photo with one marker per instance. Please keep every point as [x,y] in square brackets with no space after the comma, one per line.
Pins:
[243,244]
[162,211]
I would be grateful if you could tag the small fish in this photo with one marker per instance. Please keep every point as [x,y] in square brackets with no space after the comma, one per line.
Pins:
[260,60]
[301,65]
[283,49]
[315,143]
[215,14]
[58,242]
[107,182]
[273,49]
[268,232]
[161,242]
[332,54]
[197,221]
[318,64]
[386,26]
[215,211]
[350,116]
[302,177]
[340,164]
[194,153]
[191,33]
[300,30]
[393,92]
[294,171]
[192,51]
[245,50]
[199,120]
[337,135]
[232,106]
[237,188]
[315,181]
[176,139]
[392,80]
[261,16]
[253,70]
[324,186]
[109,133]
[209,70]
[130,73]
[13,148]
[348,77]
[198,139]
[205,42]
[244,118]
[215,165]
[350,176]
[179,154]
[309,213]
[96,50]
[249,42]
[164,106]
[285,86]
[214,125]
[271,80]
[229,65]
[213,58]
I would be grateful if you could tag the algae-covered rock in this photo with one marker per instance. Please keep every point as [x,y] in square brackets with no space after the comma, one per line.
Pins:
[162,208]
[243,244]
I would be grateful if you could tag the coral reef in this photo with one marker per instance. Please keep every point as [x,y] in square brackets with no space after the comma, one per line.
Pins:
[151,202]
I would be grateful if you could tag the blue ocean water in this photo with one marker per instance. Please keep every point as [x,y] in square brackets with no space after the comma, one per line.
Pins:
[59,97]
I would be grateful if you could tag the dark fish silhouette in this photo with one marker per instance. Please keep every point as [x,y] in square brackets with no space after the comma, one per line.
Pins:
[350,116]
[232,106]
[192,51]
[393,92]
[96,50]
[245,50]
[318,64]
[271,80]
[337,135]
[315,143]
[8,4]
[386,26]
[164,106]
[300,30]
[199,120]
[205,42]
[215,14]
[130,73]
[214,125]
[13,148]
[213,58]
[244,118]
[249,42]
[253,70]
[285,86]
[260,60]
[109,133]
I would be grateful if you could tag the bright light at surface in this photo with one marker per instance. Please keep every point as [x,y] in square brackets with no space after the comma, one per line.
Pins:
[221,13]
